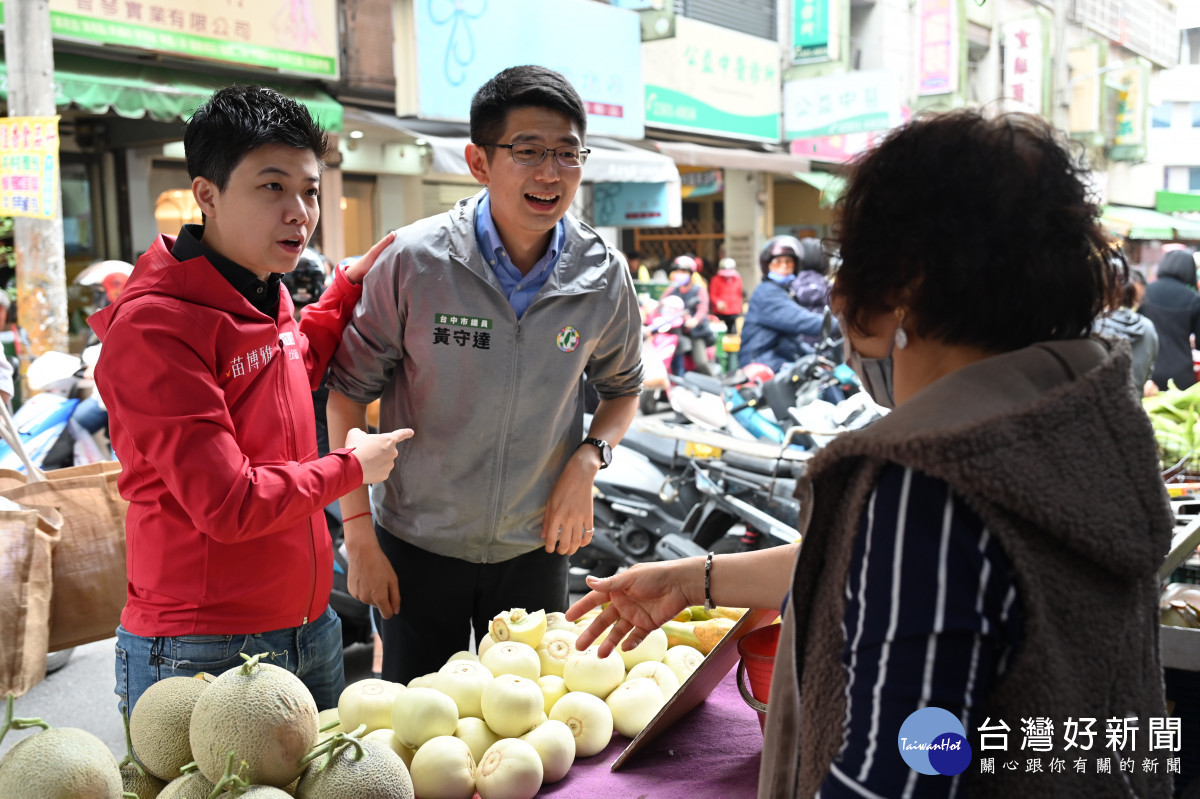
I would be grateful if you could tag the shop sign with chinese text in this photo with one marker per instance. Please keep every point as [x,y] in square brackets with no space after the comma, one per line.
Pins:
[854,102]
[939,48]
[1024,65]
[810,30]
[461,45]
[709,79]
[293,36]
[29,167]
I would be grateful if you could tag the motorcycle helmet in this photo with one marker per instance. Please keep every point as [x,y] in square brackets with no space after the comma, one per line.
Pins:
[685,262]
[306,283]
[106,279]
[777,246]
[812,257]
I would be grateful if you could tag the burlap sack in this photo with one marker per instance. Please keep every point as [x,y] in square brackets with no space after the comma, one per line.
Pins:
[27,540]
[89,561]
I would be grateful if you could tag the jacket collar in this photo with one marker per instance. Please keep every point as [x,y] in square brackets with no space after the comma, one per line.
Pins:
[584,265]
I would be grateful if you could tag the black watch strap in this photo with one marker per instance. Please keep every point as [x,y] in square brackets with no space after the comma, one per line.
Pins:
[605,450]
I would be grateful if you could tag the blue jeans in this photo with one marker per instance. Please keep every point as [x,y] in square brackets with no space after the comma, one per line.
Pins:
[312,652]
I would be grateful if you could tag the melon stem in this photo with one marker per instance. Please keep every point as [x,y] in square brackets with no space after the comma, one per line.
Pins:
[11,723]
[251,662]
[130,758]
[232,783]
[331,746]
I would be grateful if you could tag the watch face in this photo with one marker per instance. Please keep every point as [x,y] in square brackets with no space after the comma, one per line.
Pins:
[605,450]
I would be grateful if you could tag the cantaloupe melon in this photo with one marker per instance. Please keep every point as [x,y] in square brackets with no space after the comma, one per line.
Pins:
[158,726]
[258,792]
[145,785]
[192,785]
[377,773]
[60,763]
[262,713]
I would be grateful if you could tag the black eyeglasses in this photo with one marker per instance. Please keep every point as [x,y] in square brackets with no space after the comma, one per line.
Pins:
[571,156]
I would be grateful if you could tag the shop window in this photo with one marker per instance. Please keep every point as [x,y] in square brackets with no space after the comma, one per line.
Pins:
[1191,46]
[1194,178]
[175,208]
[1160,116]
[78,226]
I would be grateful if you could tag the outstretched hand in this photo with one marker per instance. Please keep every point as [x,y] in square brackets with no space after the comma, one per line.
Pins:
[640,600]
[356,271]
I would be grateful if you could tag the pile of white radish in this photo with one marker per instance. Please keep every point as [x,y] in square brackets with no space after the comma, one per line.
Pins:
[516,716]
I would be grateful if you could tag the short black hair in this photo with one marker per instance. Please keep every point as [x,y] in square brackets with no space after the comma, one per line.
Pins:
[528,86]
[238,119]
[983,229]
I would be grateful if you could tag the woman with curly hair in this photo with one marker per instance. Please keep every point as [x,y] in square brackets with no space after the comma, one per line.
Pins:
[956,553]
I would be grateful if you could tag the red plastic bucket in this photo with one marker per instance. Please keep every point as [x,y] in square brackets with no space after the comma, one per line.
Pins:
[757,649]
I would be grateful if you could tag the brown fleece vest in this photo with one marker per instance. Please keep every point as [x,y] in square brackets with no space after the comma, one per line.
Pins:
[1090,646]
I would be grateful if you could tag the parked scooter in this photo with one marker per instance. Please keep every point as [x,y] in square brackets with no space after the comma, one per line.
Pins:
[49,423]
[747,502]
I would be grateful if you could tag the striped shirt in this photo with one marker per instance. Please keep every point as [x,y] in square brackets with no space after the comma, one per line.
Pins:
[931,617]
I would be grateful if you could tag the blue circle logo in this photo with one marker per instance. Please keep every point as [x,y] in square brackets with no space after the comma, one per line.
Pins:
[933,741]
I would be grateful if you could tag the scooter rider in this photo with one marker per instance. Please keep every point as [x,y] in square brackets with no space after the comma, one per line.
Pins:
[776,326]
[696,331]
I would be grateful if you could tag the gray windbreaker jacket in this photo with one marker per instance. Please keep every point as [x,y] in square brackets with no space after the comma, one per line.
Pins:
[496,403]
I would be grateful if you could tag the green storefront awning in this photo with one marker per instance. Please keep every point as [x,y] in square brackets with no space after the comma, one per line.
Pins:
[1170,201]
[829,184]
[1141,223]
[135,90]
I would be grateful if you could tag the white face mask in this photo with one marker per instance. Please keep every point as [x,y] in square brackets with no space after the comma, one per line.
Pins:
[874,373]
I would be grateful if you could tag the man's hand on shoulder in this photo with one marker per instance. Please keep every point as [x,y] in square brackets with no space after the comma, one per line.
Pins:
[356,271]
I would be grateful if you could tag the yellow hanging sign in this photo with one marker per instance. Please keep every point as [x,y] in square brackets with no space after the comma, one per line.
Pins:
[29,167]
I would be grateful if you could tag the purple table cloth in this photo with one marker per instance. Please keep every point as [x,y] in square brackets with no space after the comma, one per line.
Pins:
[712,751]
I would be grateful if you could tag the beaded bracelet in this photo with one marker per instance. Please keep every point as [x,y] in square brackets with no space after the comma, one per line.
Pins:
[708,603]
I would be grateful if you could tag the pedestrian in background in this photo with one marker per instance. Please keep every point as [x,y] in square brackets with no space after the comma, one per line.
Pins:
[1123,320]
[725,294]
[1172,304]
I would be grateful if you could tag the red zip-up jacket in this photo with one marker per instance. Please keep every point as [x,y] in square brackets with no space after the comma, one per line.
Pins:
[210,414]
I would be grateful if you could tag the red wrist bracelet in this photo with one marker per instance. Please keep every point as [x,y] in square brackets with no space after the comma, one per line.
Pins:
[356,516]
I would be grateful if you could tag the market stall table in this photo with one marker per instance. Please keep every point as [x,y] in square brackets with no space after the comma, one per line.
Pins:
[714,750]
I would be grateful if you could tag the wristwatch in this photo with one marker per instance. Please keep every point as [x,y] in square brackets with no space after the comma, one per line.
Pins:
[605,450]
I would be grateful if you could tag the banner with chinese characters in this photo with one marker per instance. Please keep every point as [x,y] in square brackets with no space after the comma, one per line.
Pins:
[29,167]
[459,46]
[810,31]
[854,102]
[1024,65]
[938,47]
[292,36]
[700,181]
[709,79]
[1129,86]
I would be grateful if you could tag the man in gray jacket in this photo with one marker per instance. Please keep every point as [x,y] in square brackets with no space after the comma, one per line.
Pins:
[477,328]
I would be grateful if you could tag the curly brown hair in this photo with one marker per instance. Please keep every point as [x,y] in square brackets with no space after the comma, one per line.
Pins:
[984,230]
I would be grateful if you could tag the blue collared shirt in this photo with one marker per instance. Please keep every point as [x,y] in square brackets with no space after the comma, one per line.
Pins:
[520,289]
